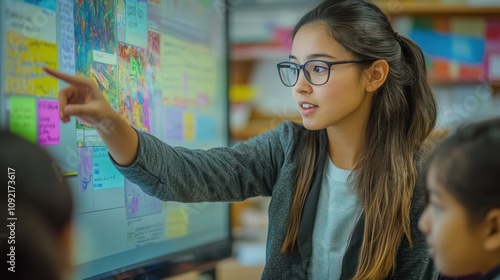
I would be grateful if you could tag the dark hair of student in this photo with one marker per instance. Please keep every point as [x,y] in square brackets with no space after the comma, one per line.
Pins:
[468,164]
[403,114]
[42,204]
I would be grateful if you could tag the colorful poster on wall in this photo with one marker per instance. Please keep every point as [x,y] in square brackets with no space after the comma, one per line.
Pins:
[95,32]
[133,94]
[153,59]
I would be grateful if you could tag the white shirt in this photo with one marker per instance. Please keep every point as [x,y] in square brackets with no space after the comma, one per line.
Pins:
[337,214]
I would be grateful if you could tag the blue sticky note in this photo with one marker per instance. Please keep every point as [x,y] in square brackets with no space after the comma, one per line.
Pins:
[47,4]
[105,174]
[205,128]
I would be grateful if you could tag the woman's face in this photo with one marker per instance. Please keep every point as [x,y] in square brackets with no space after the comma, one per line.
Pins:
[456,245]
[343,98]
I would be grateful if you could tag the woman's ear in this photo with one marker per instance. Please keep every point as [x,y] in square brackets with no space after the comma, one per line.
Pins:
[492,223]
[376,74]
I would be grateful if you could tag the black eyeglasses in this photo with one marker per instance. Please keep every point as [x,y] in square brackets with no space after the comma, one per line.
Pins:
[317,72]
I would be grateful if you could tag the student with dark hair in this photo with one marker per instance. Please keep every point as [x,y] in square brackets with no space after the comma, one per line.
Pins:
[462,218]
[37,206]
[345,197]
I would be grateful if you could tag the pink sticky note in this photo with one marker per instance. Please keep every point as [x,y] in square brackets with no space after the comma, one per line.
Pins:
[48,123]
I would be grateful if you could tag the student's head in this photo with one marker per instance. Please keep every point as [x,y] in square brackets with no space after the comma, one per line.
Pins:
[39,240]
[462,218]
[386,92]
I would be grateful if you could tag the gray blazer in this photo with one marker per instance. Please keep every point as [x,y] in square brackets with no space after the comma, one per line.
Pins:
[265,165]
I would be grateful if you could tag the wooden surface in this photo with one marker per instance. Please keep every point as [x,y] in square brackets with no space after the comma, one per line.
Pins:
[231,269]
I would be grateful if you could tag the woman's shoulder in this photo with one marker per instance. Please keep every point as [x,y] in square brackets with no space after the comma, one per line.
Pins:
[287,131]
[291,127]
[288,135]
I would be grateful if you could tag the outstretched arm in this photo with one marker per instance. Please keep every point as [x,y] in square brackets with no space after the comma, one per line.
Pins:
[83,99]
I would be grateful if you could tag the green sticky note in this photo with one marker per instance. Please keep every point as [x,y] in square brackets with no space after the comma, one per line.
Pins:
[23,117]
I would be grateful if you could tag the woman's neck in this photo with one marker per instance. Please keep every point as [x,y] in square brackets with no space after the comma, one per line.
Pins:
[346,144]
[347,137]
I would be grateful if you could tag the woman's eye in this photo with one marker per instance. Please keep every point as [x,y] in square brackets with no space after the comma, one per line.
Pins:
[319,69]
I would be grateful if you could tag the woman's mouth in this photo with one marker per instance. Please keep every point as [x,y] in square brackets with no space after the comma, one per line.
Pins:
[307,109]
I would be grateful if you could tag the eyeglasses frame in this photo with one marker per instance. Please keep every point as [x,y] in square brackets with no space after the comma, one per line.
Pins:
[329,63]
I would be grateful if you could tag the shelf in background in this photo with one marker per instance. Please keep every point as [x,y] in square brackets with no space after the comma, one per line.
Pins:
[495,85]
[259,123]
[396,8]
[258,51]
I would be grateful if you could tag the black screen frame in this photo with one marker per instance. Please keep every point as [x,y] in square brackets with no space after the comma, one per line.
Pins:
[199,258]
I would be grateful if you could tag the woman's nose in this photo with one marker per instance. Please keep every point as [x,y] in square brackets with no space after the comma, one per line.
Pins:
[302,86]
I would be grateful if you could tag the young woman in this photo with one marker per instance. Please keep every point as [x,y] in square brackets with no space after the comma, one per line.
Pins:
[37,244]
[345,197]
[462,219]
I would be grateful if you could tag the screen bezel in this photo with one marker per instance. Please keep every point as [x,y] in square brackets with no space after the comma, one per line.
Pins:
[198,258]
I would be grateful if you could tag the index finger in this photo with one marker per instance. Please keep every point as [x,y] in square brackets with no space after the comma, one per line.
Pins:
[70,79]
[63,96]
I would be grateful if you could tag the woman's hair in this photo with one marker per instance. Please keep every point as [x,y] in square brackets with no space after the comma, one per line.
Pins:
[403,113]
[468,163]
[42,204]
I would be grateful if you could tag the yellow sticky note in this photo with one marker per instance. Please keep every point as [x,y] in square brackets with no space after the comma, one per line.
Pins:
[23,117]
[177,222]
[189,123]
[25,58]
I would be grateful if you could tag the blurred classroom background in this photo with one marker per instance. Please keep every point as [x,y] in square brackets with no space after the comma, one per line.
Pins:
[460,38]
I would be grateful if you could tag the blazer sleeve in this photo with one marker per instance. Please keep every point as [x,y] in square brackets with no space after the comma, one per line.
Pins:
[235,173]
